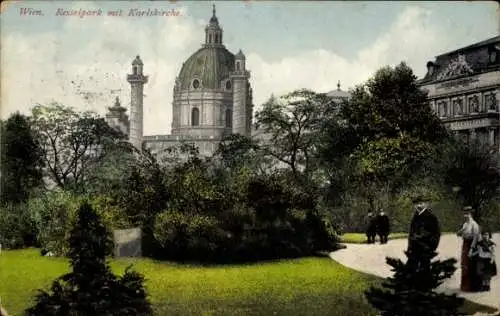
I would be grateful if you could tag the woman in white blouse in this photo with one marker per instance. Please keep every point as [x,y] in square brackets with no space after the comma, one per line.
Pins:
[470,234]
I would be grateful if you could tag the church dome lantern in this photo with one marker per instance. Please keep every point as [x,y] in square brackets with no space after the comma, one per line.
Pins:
[211,64]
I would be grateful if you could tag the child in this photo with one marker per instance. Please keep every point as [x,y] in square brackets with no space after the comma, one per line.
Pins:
[486,266]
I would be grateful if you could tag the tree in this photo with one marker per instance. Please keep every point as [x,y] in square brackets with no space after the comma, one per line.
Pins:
[410,292]
[235,150]
[473,170]
[391,104]
[393,161]
[71,142]
[91,288]
[21,160]
[293,123]
[396,131]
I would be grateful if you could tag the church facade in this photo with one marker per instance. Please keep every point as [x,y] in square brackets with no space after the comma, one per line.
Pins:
[464,90]
[212,98]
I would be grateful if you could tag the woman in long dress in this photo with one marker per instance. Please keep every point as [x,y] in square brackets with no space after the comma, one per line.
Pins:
[470,234]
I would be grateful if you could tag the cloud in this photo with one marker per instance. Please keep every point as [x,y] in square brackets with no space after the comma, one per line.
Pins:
[84,64]
[411,38]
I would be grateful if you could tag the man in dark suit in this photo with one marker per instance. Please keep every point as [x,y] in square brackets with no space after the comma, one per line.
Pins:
[383,226]
[371,228]
[424,234]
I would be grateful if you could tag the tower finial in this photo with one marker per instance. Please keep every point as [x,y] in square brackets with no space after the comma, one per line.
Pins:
[213,10]
[338,85]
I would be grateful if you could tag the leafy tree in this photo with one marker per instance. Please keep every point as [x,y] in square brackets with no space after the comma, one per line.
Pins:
[235,150]
[391,104]
[395,130]
[394,161]
[21,160]
[293,123]
[410,291]
[109,173]
[71,142]
[473,170]
[338,141]
[91,288]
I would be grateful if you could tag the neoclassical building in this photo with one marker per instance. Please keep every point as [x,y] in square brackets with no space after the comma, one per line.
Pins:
[212,98]
[464,90]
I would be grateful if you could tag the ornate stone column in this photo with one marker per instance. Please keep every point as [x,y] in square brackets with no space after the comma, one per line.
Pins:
[472,134]
[491,131]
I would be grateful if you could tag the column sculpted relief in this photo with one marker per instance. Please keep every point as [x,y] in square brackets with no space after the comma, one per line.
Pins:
[458,107]
[443,108]
[490,102]
[474,104]
[491,131]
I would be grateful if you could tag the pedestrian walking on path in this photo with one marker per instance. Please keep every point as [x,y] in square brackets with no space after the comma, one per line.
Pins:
[383,226]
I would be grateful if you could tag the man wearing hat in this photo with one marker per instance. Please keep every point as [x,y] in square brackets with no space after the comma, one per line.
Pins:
[371,228]
[424,234]
[383,226]
[470,234]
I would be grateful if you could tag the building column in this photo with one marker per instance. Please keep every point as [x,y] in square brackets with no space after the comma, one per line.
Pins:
[472,133]
[491,131]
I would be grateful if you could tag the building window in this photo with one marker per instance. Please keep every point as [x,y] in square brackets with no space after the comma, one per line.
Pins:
[216,38]
[458,107]
[493,56]
[229,118]
[474,104]
[195,117]
[443,108]
[196,83]
[237,65]
[490,102]
[228,85]
[135,70]
[210,38]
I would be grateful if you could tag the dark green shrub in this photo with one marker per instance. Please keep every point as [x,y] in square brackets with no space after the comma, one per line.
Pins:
[189,236]
[53,215]
[16,228]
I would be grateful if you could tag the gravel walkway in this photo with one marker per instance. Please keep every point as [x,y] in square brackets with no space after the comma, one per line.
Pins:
[371,259]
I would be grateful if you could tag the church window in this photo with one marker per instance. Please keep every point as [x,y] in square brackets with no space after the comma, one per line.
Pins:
[210,38]
[195,117]
[196,83]
[238,65]
[216,38]
[135,70]
[228,85]
[229,118]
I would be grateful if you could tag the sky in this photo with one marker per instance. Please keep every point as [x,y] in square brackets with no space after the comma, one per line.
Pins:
[82,62]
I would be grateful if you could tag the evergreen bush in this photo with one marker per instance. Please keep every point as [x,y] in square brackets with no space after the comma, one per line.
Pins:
[411,290]
[91,288]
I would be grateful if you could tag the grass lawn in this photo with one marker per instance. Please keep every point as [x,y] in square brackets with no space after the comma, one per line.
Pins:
[360,238]
[307,286]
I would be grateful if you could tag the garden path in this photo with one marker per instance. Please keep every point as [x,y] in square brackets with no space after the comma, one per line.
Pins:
[371,259]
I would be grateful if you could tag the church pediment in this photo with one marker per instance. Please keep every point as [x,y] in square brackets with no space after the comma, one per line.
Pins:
[457,67]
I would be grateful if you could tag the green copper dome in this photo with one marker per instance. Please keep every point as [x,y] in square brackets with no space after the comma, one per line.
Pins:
[210,65]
